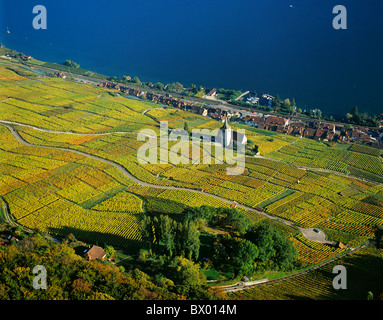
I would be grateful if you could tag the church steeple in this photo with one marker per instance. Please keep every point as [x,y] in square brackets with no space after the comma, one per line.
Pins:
[227,137]
[226,124]
[226,133]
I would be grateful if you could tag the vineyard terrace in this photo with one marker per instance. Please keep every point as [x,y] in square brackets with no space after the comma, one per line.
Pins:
[226,148]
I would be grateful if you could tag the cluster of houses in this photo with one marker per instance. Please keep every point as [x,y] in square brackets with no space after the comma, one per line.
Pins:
[62,75]
[16,55]
[166,99]
[315,129]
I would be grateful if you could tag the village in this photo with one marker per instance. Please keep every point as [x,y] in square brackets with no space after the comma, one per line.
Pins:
[311,128]
[291,125]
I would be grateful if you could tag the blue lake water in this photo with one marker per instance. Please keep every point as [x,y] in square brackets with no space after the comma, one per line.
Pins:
[267,46]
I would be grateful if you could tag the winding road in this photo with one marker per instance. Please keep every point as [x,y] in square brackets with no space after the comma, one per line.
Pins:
[307,232]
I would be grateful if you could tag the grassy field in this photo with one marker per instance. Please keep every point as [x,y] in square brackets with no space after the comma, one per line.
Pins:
[62,192]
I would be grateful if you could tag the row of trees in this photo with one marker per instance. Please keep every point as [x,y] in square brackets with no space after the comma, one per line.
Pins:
[171,87]
[363,119]
[353,117]
[284,106]
[241,249]
[174,238]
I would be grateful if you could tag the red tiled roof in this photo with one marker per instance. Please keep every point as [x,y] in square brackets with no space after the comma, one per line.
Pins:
[275,120]
[95,253]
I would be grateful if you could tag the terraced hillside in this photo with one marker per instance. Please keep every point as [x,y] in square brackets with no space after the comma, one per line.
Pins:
[89,181]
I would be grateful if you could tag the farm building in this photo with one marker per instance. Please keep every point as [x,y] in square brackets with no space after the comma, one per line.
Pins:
[95,253]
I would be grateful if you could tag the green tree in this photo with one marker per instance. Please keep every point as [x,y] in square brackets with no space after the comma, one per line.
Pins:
[370,296]
[230,218]
[166,228]
[235,255]
[71,64]
[193,88]
[276,101]
[237,220]
[356,117]
[355,111]
[244,256]
[159,86]
[110,252]
[275,251]
[203,212]
[185,274]
[175,87]
[262,237]
[311,113]
[287,102]
[187,239]
[146,229]
[136,80]
[187,129]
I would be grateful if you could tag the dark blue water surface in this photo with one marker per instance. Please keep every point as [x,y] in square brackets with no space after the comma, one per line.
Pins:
[261,45]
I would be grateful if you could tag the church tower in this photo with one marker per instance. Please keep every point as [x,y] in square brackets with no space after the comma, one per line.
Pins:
[226,133]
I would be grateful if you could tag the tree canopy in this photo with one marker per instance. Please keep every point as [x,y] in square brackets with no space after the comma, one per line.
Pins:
[71,64]
[171,237]
[275,251]
[226,218]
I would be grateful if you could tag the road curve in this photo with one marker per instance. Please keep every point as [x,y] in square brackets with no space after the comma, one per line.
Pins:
[305,231]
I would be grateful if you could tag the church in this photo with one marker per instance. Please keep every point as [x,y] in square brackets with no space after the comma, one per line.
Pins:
[228,137]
